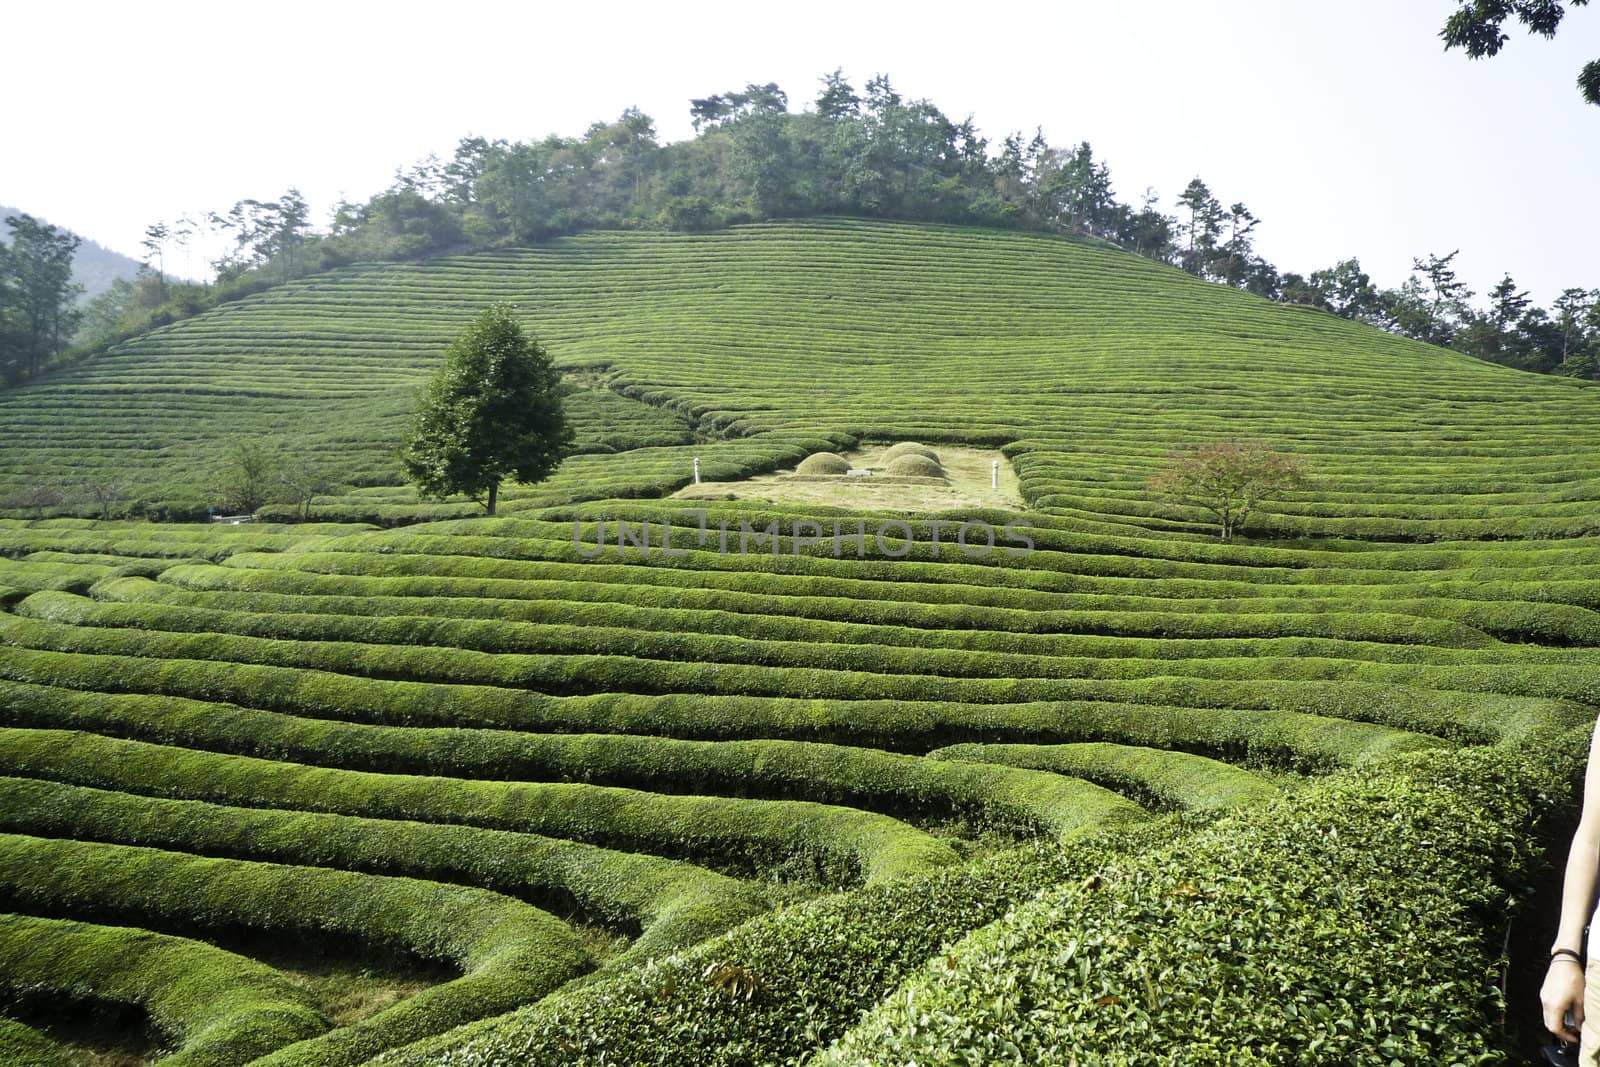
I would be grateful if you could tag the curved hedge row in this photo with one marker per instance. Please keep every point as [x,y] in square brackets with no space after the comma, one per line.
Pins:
[1172,779]
[216,1009]
[936,583]
[1482,694]
[510,953]
[1236,945]
[558,532]
[670,904]
[458,650]
[761,541]
[167,542]
[33,576]
[1379,965]
[726,637]
[778,988]
[1219,719]
[751,614]
[924,607]
[23,1046]
[843,845]
[1017,800]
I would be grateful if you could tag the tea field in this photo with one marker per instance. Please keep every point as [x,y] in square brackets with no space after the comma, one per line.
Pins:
[617,777]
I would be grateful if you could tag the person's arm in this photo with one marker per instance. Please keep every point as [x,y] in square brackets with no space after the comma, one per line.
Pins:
[1563,983]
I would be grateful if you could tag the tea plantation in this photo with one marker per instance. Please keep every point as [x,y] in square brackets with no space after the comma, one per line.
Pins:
[606,779]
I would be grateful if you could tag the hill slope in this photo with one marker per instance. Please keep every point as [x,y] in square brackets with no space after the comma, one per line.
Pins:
[1090,362]
[501,778]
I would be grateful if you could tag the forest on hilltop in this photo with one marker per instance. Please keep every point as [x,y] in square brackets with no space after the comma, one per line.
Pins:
[871,154]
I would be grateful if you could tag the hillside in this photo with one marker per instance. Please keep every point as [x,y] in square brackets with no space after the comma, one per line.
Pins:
[796,800]
[1088,363]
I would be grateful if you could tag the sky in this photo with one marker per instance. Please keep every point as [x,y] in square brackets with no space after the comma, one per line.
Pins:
[1344,126]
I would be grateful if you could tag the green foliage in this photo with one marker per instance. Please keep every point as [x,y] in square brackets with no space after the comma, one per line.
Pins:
[1228,480]
[493,411]
[215,1008]
[327,367]
[1475,27]
[831,845]
[1356,922]
[22,1046]
[389,727]
[1167,779]
[38,312]
[509,952]
[862,778]
[671,905]
[817,966]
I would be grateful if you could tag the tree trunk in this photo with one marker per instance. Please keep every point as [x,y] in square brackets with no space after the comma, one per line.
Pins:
[494,493]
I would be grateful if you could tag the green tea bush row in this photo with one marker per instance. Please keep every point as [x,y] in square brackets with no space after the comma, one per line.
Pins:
[779,988]
[1016,800]
[668,904]
[32,575]
[969,654]
[1237,945]
[509,953]
[1482,694]
[1057,542]
[592,532]
[23,1046]
[152,605]
[214,1008]
[1260,722]
[1168,779]
[1005,587]
[836,845]
[1351,618]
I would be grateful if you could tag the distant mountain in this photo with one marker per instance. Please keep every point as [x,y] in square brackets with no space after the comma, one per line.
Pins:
[95,266]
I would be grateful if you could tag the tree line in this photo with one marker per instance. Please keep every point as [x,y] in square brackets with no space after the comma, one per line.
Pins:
[868,153]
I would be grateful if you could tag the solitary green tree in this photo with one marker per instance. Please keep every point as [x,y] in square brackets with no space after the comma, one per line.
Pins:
[492,411]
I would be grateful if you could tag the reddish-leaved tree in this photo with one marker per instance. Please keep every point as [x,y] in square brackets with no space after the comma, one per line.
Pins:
[1227,479]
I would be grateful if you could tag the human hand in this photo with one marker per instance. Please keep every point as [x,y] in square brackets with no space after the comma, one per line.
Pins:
[1561,994]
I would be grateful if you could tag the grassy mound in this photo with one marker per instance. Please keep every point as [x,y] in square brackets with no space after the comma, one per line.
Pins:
[823,463]
[914,465]
[907,448]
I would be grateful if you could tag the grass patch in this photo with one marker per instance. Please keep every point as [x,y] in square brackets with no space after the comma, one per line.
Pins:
[965,482]
[347,982]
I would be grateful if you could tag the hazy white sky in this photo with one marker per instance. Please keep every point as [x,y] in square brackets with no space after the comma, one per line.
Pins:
[1344,125]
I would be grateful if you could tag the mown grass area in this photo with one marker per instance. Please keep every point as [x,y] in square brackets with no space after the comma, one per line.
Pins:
[968,481]
[703,781]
